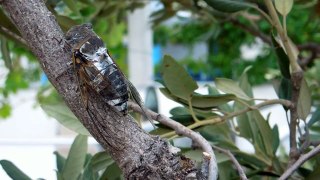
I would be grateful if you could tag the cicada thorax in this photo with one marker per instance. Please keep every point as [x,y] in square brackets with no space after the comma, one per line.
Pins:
[102,74]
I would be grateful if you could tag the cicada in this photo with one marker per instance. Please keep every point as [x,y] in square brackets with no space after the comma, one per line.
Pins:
[96,69]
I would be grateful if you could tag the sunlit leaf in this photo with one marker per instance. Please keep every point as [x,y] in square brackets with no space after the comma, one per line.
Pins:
[15,81]
[13,171]
[76,158]
[304,101]
[231,87]
[5,110]
[176,78]
[229,6]
[283,6]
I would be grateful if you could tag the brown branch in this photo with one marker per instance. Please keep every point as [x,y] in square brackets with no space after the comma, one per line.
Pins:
[182,130]
[296,79]
[13,35]
[234,161]
[138,154]
[303,158]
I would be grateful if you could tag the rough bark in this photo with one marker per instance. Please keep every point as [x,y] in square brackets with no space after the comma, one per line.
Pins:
[137,153]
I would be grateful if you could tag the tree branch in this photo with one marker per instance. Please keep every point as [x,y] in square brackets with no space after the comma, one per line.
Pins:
[137,153]
[234,161]
[182,130]
[303,158]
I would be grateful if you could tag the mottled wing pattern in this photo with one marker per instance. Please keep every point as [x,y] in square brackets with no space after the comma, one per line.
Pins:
[97,70]
[103,74]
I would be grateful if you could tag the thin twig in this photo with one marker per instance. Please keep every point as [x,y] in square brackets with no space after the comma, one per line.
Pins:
[234,161]
[13,35]
[182,130]
[216,120]
[296,78]
[303,158]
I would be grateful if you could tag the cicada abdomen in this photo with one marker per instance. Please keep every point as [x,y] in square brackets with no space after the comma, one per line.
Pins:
[96,69]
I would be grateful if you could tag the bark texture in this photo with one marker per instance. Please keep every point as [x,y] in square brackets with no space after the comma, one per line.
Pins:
[138,154]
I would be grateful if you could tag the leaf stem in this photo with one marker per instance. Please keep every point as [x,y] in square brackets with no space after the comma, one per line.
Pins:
[191,110]
[289,49]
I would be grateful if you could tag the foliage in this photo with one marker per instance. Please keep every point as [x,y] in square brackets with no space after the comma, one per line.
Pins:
[228,111]
[78,165]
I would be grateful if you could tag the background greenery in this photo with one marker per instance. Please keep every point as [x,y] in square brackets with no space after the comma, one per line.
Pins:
[219,27]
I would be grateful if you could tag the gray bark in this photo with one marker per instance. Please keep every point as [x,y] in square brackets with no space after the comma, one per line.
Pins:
[137,153]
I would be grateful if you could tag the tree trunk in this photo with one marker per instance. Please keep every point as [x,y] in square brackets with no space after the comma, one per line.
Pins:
[137,153]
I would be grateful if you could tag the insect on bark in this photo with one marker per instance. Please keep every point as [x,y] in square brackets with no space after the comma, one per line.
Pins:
[96,69]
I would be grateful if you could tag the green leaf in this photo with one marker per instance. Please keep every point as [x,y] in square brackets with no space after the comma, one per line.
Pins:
[263,134]
[229,6]
[282,57]
[245,85]
[65,117]
[176,79]
[211,101]
[5,110]
[315,117]
[195,155]
[283,6]
[223,107]
[59,176]
[76,158]
[5,53]
[179,111]
[243,120]
[205,102]
[304,101]
[285,90]
[252,160]
[218,134]
[15,81]
[160,130]
[65,22]
[101,161]
[60,160]
[244,127]
[231,87]
[72,6]
[13,171]
[113,172]
[275,139]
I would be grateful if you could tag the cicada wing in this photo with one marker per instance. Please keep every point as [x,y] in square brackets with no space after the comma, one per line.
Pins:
[135,97]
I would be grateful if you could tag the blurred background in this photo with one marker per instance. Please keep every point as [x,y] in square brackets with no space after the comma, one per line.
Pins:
[138,34]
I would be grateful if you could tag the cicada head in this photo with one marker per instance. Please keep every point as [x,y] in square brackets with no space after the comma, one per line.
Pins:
[79,33]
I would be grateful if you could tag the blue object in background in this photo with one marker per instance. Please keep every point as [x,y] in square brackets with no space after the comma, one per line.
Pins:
[43,79]
[156,54]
